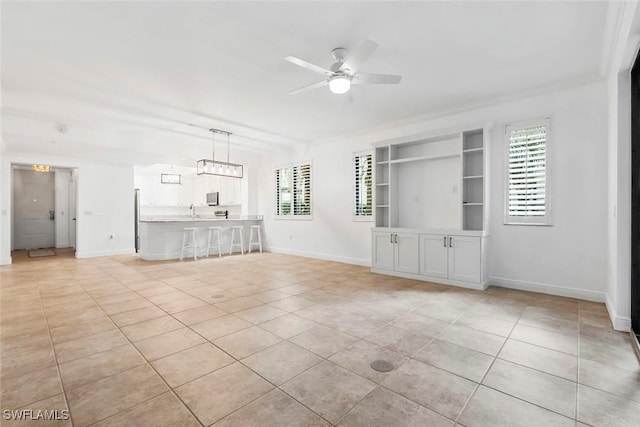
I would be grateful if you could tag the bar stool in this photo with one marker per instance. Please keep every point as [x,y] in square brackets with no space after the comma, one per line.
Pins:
[235,228]
[218,244]
[190,241]
[255,228]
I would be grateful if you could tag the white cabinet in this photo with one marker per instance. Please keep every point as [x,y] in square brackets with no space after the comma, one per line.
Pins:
[395,252]
[451,257]
[383,251]
[230,192]
[433,255]
[464,259]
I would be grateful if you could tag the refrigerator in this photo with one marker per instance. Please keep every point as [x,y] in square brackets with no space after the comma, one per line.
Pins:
[136,218]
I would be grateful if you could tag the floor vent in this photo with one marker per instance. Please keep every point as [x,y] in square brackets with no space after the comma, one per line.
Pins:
[381,366]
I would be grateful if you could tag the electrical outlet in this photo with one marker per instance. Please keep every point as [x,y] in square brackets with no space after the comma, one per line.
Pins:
[110,236]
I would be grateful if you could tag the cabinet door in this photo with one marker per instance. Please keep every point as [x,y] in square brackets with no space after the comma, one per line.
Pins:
[383,250]
[406,256]
[464,259]
[433,255]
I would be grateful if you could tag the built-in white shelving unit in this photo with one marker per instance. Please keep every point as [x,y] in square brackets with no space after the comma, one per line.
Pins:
[431,220]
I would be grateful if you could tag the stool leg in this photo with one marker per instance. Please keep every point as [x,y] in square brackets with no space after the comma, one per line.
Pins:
[209,242]
[250,240]
[241,243]
[219,243]
[184,242]
[259,239]
[233,235]
[195,245]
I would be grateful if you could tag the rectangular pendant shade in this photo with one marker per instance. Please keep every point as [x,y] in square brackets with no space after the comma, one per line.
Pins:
[214,167]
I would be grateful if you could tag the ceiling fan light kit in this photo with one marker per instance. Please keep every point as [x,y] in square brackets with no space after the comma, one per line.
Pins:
[342,73]
[340,84]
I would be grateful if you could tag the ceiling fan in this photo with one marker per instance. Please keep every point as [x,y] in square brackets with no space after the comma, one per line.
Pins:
[342,74]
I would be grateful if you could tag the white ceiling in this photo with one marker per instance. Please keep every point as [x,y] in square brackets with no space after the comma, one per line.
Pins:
[129,77]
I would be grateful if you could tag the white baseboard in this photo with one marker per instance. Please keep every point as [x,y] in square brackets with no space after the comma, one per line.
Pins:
[347,260]
[6,261]
[111,252]
[62,245]
[619,323]
[458,283]
[546,288]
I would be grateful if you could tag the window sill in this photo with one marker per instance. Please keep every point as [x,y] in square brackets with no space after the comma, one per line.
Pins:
[294,217]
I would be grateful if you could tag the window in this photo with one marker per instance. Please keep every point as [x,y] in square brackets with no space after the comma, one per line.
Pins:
[293,191]
[363,186]
[527,197]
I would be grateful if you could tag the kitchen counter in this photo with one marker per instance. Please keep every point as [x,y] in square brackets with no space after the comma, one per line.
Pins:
[161,237]
[199,218]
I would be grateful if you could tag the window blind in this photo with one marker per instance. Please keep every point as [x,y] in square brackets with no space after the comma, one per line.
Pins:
[302,189]
[527,172]
[363,185]
[293,190]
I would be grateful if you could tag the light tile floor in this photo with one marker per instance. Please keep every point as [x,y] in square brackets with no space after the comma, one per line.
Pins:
[275,340]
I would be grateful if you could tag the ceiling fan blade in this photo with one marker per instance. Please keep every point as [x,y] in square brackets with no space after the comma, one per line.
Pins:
[358,56]
[310,87]
[367,79]
[309,66]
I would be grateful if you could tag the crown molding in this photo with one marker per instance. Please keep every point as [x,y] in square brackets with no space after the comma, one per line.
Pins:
[564,85]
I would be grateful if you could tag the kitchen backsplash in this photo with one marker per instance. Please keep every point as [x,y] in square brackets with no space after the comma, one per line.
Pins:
[159,211]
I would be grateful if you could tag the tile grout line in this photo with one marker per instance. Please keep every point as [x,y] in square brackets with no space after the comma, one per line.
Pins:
[64,394]
[148,363]
[464,407]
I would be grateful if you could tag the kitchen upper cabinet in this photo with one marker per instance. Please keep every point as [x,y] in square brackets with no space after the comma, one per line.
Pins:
[145,184]
[230,191]
[395,252]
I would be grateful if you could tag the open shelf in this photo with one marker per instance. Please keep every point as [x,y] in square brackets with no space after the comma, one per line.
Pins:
[421,158]
[472,150]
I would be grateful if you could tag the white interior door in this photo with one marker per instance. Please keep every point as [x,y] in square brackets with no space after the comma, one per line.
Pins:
[33,214]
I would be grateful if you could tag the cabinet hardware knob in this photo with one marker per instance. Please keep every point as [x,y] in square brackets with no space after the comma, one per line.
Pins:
[445,241]
[450,239]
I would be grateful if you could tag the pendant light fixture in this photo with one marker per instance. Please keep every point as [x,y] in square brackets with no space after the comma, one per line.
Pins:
[214,167]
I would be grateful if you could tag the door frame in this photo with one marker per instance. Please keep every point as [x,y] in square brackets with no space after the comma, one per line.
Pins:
[635,196]
[74,172]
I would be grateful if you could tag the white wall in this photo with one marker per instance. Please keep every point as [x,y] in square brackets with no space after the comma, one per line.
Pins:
[619,168]
[104,205]
[568,258]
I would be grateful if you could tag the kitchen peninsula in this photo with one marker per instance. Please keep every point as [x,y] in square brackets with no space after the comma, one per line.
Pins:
[161,237]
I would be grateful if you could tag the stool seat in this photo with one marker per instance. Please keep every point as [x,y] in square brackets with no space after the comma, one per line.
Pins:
[255,230]
[218,243]
[189,242]
[240,243]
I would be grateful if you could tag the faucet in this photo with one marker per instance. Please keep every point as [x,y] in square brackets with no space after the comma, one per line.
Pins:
[192,208]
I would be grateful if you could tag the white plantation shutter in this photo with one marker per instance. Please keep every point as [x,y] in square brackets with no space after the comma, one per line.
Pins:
[302,189]
[527,173]
[293,191]
[283,191]
[363,184]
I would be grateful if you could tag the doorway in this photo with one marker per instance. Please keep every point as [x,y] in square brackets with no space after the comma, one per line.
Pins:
[43,214]
[635,198]
[33,209]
